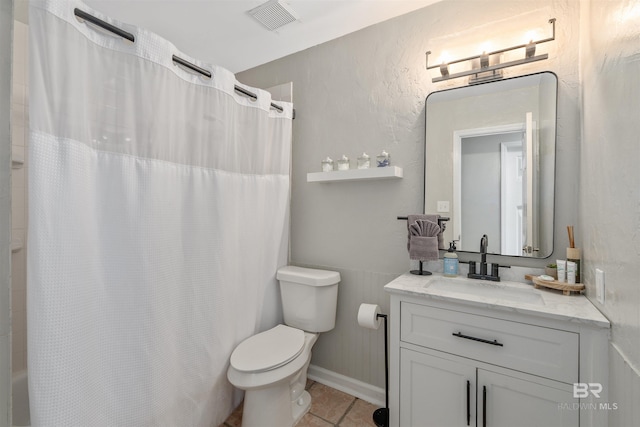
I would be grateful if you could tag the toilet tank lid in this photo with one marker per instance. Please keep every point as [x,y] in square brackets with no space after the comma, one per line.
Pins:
[308,276]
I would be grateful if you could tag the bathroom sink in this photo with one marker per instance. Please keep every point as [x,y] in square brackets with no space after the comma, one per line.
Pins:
[512,292]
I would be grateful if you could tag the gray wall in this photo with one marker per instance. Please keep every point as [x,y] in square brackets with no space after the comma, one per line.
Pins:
[6,29]
[366,92]
[610,186]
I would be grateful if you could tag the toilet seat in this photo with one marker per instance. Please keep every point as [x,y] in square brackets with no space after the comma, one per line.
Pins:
[268,350]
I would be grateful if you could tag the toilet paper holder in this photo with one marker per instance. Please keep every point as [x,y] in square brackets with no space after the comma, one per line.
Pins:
[381,415]
[369,317]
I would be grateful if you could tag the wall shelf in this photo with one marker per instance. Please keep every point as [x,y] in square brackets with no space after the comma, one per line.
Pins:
[389,172]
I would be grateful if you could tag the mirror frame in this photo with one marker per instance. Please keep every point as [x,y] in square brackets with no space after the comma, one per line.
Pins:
[554,169]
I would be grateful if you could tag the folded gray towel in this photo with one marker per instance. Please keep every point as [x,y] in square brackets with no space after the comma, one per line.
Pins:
[425,228]
[423,248]
[432,218]
[423,240]
[415,229]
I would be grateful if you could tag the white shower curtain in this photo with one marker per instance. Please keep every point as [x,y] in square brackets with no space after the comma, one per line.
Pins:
[158,216]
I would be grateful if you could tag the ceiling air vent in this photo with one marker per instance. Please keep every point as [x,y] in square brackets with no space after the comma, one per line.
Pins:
[273,14]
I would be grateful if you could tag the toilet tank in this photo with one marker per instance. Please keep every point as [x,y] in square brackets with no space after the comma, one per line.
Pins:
[309,297]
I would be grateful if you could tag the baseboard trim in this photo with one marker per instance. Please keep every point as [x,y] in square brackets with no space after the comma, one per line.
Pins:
[359,389]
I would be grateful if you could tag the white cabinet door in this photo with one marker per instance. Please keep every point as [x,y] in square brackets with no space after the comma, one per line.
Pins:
[507,401]
[435,391]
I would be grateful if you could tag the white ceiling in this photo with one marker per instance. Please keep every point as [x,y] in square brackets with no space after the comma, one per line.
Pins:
[221,32]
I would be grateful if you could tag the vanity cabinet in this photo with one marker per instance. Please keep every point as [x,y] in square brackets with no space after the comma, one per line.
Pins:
[458,363]
[442,390]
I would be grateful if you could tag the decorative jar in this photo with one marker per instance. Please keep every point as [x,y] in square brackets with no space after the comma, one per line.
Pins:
[343,163]
[383,159]
[327,165]
[364,161]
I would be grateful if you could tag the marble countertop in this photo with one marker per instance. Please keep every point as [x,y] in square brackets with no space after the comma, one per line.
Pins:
[506,296]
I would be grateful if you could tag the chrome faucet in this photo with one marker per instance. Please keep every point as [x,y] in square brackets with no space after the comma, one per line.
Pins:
[484,244]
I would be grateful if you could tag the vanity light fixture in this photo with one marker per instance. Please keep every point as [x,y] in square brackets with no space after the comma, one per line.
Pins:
[487,72]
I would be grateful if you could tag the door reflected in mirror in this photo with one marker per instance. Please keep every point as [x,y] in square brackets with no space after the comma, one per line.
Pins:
[490,151]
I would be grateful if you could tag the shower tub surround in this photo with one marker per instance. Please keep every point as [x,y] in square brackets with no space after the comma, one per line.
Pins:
[521,351]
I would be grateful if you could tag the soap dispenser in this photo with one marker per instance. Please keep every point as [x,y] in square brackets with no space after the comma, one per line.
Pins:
[451,261]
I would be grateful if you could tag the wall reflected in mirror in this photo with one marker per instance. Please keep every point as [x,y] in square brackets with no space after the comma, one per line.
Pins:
[490,152]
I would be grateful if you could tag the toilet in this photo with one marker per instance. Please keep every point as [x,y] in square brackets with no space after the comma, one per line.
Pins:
[271,367]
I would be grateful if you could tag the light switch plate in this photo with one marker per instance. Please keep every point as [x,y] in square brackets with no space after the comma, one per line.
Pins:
[600,286]
[443,206]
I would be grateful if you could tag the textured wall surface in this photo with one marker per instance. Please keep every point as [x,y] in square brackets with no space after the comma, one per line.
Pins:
[366,92]
[6,20]
[610,185]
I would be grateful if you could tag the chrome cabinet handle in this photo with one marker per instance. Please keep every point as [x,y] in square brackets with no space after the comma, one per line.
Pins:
[468,337]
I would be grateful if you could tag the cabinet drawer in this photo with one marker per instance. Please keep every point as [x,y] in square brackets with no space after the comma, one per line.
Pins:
[546,352]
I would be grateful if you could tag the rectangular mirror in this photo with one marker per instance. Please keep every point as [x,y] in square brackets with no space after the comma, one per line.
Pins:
[490,153]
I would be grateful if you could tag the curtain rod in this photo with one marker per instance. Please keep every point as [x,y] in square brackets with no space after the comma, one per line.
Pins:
[191,66]
[104,25]
[126,35]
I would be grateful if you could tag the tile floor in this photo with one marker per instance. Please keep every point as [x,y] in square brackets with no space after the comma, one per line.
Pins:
[329,408]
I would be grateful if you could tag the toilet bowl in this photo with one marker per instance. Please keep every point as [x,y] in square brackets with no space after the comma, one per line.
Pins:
[274,395]
[271,367]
